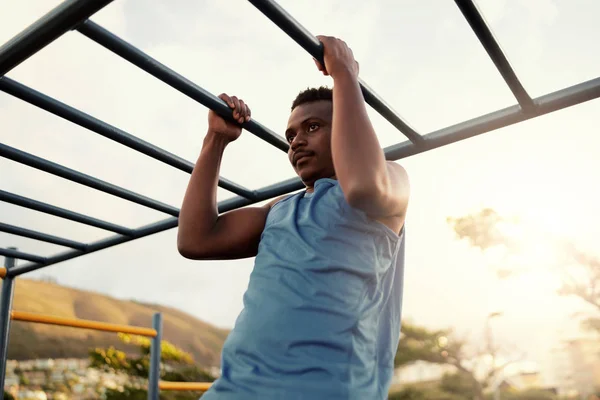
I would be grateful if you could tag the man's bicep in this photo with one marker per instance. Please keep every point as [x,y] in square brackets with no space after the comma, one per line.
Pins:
[236,235]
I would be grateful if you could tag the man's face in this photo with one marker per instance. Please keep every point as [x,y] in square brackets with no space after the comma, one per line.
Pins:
[309,135]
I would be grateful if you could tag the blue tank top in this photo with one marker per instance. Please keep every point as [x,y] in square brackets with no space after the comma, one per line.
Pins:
[321,316]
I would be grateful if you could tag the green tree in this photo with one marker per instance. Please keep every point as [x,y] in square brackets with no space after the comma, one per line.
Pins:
[443,347]
[8,396]
[176,366]
[459,384]
[413,392]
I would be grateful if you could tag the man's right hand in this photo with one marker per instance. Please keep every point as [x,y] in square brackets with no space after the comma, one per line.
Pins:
[226,129]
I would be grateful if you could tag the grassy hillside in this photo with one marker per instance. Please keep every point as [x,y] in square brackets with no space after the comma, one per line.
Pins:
[28,340]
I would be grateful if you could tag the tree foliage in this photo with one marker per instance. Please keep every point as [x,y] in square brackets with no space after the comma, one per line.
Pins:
[420,344]
[445,348]
[176,366]
[413,392]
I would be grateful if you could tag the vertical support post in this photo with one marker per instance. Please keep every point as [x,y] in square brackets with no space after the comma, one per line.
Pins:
[6,297]
[155,352]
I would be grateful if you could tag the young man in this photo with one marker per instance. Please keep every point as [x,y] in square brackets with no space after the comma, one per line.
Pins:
[321,317]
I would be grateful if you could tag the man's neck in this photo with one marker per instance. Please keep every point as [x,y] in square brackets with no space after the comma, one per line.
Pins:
[311,188]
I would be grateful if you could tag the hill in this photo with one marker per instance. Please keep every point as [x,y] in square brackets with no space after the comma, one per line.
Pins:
[29,340]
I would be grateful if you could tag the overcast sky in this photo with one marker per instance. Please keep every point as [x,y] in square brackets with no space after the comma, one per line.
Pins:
[421,56]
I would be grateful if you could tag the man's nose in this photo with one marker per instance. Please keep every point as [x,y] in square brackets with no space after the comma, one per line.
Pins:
[299,140]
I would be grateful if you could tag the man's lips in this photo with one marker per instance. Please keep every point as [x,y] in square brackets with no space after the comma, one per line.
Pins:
[301,156]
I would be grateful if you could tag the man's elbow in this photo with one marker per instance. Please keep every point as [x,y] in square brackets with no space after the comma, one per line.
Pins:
[185,250]
[188,248]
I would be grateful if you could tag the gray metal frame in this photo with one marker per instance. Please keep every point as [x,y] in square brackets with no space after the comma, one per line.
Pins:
[75,14]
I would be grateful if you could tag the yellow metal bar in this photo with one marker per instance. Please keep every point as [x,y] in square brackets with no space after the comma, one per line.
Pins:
[184,386]
[81,323]
[2,272]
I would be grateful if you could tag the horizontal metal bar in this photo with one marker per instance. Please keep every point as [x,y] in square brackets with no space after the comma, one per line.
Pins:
[545,104]
[81,323]
[160,226]
[548,103]
[45,30]
[17,230]
[21,256]
[62,213]
[80,118]
[135,56]
[96,246]
[279,189]
[184,386]
[311,44]
[83,179]
[486,37]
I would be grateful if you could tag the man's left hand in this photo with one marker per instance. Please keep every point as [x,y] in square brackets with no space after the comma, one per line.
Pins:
[338,58]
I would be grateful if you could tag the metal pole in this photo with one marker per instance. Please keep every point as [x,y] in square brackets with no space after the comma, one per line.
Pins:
[155,352]
[45,30]
[8,287]
[10,252]
[138,58]
[83,179]
[32,204]
[486,37]
[311,44]
[80,118]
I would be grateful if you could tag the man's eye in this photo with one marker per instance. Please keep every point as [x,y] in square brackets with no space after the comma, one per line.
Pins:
[313,127]
[290,138]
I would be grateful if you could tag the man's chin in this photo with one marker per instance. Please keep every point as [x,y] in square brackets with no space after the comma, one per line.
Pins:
[306,174]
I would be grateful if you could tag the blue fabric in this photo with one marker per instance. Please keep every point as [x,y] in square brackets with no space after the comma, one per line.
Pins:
[321,316]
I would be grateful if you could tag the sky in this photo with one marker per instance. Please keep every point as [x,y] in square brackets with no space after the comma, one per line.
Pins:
[420,56]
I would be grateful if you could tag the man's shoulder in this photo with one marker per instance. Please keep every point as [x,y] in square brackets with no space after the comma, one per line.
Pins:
[276,200]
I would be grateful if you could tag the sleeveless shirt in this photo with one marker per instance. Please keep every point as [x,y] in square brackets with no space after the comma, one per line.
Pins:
[321,315]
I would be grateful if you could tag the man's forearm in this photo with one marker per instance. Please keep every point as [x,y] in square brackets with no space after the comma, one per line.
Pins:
[199,211]
[358,159]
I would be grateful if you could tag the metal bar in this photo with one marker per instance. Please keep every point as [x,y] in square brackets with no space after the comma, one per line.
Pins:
[147,230]
[548,103]
[83,179]
[155,356]
[80,118]
[45,30]
[81,323]
[486,37]
[99,245]
[185,386]
[280,188]
[21,256]
[135,56]
[62,213]
[17,230]
[311,44]
[561,99]
[6,298]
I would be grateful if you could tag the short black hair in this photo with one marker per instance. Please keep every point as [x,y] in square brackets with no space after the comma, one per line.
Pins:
[313,94]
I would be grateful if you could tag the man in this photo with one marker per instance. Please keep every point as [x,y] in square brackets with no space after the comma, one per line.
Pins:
[321,317]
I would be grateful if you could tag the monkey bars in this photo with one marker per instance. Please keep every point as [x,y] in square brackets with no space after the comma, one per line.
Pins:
[74,15]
